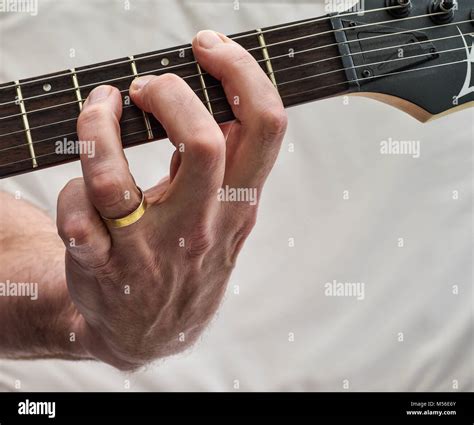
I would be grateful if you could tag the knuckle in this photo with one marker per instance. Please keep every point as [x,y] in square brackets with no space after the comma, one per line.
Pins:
[274,122]
[199,242]
[75,227]
[208,145]
[107,188]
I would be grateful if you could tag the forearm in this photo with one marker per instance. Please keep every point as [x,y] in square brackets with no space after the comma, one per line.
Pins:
[35,308]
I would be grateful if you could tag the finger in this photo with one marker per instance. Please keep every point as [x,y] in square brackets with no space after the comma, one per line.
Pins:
[80,227]
[197,137]
[259,110]
[110,185]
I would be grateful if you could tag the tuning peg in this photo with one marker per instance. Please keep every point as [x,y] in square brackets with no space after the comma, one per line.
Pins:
[447,5]
[442,11]
[399,8]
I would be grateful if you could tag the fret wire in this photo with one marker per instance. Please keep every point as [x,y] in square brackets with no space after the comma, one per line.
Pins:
[284,83]
[26,125]
[300,93]
[235,37]
[77,89]
[269,45]
[204,88]
[145,116]
[266,57]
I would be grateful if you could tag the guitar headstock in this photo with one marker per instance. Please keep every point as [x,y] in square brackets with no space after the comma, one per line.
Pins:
[416,55]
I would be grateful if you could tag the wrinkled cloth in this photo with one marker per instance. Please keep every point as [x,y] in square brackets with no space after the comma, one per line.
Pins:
[334,210]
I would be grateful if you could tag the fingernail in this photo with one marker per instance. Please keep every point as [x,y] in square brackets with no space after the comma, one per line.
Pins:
[99,93]
[208,39]
[140,82]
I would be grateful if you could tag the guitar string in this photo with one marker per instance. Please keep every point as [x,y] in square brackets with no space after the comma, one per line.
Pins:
[374,77]
[200,74]
[238,37]
[268,74]
[224,98]
[260,48]
[48,139]
[283,97]
[373,63]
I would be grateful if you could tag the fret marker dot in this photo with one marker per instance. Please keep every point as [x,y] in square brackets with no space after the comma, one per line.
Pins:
[47,87]
[165,61]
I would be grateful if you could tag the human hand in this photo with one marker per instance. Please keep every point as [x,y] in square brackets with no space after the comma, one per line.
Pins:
[148,290]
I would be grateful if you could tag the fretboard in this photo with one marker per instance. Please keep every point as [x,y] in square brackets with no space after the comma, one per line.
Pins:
[38,115]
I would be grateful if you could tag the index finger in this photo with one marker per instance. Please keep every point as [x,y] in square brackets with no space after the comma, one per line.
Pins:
[110,186]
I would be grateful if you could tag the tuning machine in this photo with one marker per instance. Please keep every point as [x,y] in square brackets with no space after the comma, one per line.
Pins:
[399,8]
[442,11]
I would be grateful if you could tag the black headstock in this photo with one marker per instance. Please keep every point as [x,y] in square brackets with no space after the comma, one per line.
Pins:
[417,55]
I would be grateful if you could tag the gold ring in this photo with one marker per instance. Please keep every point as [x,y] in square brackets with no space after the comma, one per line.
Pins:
[131,218]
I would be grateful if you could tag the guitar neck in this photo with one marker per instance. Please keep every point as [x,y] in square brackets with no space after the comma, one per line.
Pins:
[305,60]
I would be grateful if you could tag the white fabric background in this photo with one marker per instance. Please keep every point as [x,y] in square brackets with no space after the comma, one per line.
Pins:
[337,148]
